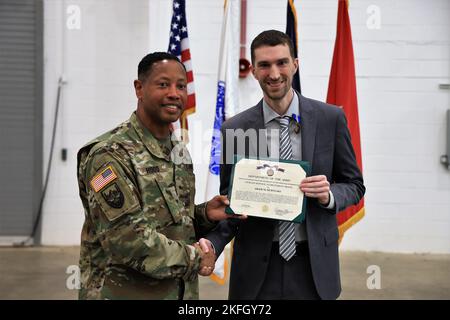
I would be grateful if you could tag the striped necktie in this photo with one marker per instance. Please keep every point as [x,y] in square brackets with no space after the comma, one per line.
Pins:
[286,229]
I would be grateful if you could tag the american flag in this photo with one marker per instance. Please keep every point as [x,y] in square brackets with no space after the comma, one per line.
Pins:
[179,46]
[103,178]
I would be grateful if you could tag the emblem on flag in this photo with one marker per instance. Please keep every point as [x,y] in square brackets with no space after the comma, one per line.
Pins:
[103,178]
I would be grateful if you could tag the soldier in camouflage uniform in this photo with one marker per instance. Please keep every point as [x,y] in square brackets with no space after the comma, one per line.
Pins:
[137,187]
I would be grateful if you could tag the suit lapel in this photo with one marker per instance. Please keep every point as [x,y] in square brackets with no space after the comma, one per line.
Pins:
[308,128]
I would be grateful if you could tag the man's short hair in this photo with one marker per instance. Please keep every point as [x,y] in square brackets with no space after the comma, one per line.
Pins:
[147,62]
[271,38]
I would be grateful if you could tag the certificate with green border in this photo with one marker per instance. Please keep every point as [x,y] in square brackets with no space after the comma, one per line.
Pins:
[268,188]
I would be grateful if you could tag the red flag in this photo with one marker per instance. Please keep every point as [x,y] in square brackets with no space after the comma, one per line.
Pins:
[342,92]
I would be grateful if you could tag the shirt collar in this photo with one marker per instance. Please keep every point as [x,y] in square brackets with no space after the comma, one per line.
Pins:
[270,114]
[152,144]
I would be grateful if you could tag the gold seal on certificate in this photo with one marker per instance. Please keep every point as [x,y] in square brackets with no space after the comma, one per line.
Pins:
[268,189]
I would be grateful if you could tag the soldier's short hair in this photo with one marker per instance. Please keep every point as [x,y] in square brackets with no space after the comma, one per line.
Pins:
[271,38]
[145,66]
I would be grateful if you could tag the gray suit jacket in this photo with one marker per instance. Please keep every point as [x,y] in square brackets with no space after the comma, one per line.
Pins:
[326,144]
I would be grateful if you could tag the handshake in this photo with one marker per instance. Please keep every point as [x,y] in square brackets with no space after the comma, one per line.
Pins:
[208,257]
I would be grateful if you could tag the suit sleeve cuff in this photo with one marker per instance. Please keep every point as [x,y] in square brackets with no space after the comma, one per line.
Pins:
[331,203]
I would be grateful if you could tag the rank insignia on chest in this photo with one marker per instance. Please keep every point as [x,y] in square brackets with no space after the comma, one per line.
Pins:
[113,196]
[103,178]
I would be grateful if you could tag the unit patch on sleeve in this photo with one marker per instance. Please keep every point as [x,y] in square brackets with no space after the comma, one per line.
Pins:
[113,196]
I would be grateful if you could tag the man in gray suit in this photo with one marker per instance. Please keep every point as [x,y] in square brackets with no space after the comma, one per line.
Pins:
[314,132]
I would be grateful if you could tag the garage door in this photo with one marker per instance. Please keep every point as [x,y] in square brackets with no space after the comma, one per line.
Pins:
[20,116]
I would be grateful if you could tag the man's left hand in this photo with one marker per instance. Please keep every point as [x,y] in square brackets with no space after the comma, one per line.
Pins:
[316,187]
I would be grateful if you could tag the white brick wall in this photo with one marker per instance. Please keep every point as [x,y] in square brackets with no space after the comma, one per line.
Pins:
[99,62]
[402,110]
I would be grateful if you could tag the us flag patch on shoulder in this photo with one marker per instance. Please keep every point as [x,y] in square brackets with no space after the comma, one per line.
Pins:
[103,178]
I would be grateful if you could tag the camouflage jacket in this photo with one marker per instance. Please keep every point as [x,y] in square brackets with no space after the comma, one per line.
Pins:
[140,217]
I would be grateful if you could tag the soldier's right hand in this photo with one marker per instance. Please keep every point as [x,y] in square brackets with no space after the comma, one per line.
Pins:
[208,261]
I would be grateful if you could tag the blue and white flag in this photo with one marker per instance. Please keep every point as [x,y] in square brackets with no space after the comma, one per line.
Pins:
[226,106]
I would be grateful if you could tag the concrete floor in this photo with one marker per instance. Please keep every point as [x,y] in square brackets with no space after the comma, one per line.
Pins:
[40,273]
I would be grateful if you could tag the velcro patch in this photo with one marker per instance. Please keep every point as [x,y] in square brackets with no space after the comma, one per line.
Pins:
[113,196]
[103,178]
